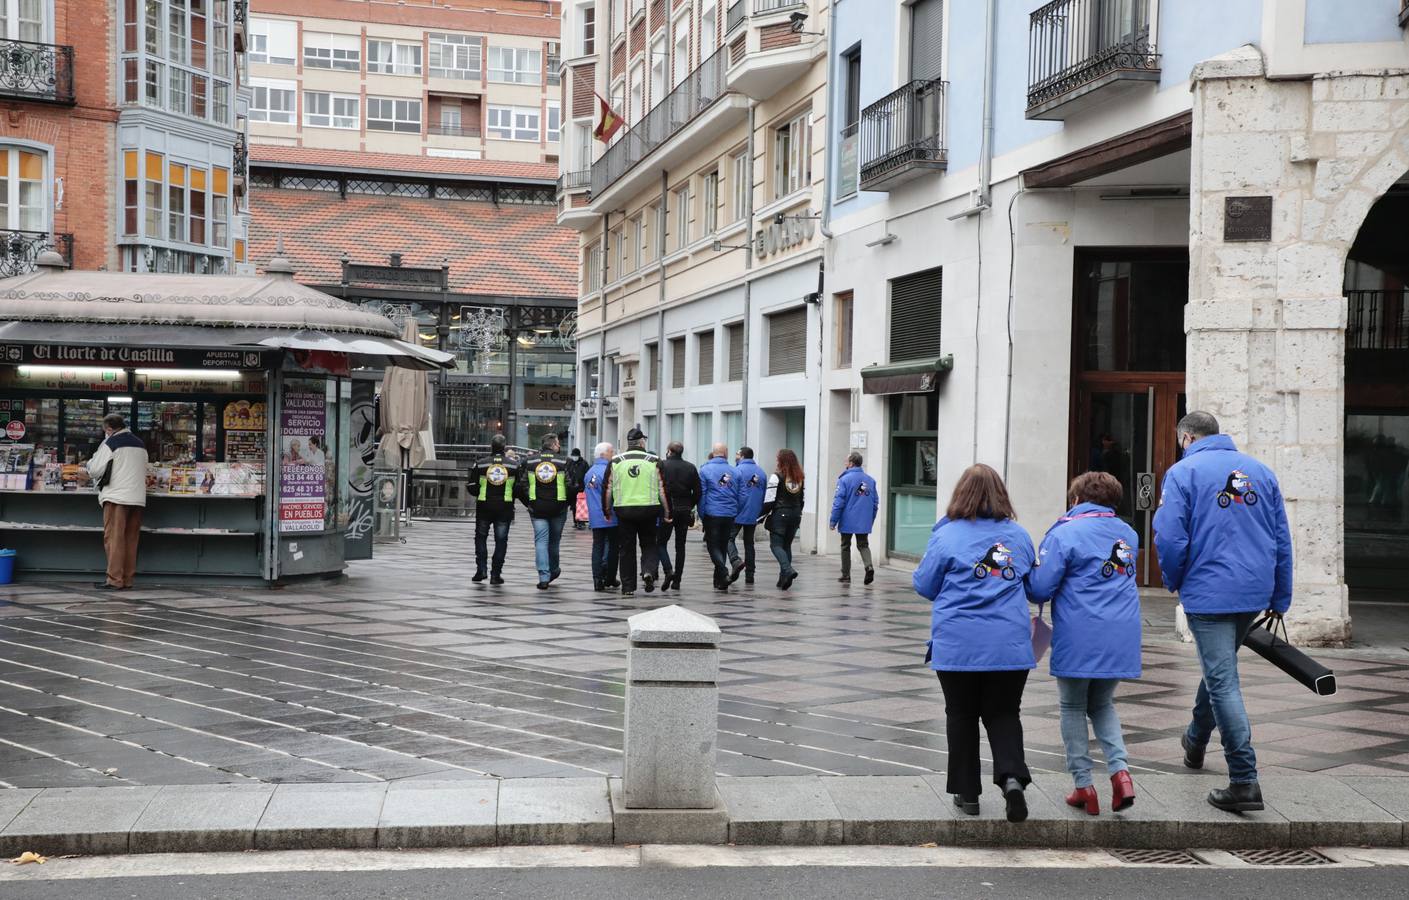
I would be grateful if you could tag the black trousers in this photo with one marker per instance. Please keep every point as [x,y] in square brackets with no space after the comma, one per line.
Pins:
[637,527]
[750,549]
[994,697]
[501,542]
[605,551]
[679,526]
[717,532]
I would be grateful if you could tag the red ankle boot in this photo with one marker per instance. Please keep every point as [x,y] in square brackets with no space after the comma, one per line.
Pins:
[1085,797]
[1122,791]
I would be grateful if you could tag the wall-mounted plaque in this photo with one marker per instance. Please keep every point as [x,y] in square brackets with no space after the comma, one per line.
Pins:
[1247,218]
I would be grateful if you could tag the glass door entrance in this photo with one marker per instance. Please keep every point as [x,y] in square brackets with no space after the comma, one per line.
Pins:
[1127,429]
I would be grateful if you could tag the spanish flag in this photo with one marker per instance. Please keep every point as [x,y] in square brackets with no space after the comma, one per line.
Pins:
[609,121]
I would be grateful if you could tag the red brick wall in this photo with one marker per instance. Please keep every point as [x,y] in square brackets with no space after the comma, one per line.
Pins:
[583,84]
[736,50]
[618,62]
[657,16]
[83,137]
[638,38]
[771,37]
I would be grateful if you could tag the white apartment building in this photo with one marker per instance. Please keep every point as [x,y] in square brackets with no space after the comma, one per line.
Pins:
[700,223]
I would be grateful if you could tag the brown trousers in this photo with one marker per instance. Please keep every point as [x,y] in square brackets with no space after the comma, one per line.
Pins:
[122,526]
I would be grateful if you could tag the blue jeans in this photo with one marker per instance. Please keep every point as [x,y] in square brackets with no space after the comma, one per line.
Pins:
[1093,698]
[547,535]
[604,554]
[1219,702]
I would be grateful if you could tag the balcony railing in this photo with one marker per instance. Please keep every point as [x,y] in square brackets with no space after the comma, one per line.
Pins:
[735,16]
[1377,320]
[240,6]
[904,129]
[762,7]
[1072,43]
[42,72]
[19,249]
[470,131]
[242,156]
[575,181]
[691,97]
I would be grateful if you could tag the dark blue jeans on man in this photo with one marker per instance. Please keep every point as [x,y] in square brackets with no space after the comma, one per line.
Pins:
[750,549]
[1219,702]
[605,549]
[717,532]
[501,543]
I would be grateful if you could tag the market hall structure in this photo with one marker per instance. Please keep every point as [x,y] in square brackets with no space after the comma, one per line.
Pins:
[238,385]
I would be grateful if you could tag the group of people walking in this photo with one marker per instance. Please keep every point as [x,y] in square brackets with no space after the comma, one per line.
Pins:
[1224,546]
[636,501]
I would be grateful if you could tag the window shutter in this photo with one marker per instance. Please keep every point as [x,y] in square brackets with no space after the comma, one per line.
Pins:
[677,362]
[736,352]
[915,304]
[652,366]
[706,362]
[926,40]
[787,341]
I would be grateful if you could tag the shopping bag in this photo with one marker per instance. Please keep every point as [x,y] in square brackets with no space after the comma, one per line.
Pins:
[1265,642]
[580,513]
[1041,636]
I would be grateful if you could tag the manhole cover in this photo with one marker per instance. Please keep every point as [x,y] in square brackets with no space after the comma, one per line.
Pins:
[1282,858]
[1157,857]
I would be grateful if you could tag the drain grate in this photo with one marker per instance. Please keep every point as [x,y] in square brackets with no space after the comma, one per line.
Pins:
[1156,857]
[1285,857]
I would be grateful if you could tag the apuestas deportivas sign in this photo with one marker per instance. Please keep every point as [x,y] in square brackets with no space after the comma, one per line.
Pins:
[145,357]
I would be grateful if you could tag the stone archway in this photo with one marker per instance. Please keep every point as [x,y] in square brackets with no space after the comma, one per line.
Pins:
[1266,319]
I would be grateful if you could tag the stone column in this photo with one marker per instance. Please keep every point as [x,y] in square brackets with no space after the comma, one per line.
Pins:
[672,710]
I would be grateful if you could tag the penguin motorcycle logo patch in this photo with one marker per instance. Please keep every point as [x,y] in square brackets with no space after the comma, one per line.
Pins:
[545,472]
[1122,560]
[1239,489]
[998,563]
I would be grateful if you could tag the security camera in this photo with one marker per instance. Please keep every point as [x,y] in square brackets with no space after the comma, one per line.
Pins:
[717,246]
[779,217]
[796,21]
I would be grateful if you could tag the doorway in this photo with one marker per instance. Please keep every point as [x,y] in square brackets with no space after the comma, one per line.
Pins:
[1128,384]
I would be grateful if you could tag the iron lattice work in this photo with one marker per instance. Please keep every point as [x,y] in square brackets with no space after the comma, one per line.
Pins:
[19,249]
[242,156]
[33,71]
[905,126]
[1072,43]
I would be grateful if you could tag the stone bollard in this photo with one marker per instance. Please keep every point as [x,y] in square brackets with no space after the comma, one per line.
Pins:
[672,710]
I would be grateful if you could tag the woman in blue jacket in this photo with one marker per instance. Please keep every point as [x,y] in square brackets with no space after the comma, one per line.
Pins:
[980,634]
[1086,567]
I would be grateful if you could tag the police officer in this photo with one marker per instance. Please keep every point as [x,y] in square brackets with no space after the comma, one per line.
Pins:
[635,493]
[719,506]
[492,479]
[544,487]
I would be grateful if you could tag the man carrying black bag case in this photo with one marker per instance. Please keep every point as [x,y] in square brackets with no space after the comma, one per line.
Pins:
[1225,548]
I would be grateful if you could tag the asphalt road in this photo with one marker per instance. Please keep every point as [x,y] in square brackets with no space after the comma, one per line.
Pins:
[813,883]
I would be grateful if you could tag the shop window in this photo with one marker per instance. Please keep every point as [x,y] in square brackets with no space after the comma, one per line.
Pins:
[916,302]
[704,434]
[913,476]
[675,428]
[733,429]
[23,205]
[787,342]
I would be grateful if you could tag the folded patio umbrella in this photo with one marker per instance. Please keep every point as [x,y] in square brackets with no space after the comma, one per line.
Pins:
[1263,640]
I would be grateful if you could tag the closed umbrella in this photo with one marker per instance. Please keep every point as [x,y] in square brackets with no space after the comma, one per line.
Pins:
[405,411]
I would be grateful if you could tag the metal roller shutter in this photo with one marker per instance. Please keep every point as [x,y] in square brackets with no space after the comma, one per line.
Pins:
[915,304]
[787,341]
[677,362]
[736,351]
[706,364]
[652,367]
[926,40]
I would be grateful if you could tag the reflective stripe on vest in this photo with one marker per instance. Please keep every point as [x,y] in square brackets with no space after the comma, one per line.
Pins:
[496,473]
[545,471]
[635,480]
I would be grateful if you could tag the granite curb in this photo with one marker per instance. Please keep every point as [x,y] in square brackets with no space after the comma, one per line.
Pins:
[1169,813]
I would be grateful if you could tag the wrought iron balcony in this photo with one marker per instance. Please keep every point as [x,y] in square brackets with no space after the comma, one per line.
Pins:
[240,10]
[19,249]
[700,89]
[41,72]
[242,156]
[470,131]
[1377,320]
[1076,47]
[735,16]
[575,181]
[902,136]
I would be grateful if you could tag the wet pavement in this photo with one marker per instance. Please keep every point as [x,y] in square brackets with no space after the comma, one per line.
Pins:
[408,670]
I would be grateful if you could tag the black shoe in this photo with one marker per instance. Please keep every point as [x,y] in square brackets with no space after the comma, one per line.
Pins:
[479,576]
[628,593]
[789,579]
[1193,756]
[1015,798]
[738,570]
[597,585]
[870,576]
[966,805]
[104,586]
[650,582]
[543,585]
[555,575]
[748,579]
[676,582]
[665,582]
[845,579]
[496,579]
[614,583]
[1237,798]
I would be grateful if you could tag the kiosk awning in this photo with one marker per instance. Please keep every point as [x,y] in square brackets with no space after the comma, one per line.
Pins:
[182,340]
[916,376]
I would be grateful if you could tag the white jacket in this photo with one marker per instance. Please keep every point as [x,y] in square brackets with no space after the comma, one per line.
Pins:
[128,485]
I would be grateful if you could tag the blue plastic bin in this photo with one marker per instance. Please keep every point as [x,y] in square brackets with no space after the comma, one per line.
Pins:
[7,566]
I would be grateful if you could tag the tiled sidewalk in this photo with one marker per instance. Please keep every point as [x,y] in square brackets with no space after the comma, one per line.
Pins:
[407,670]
